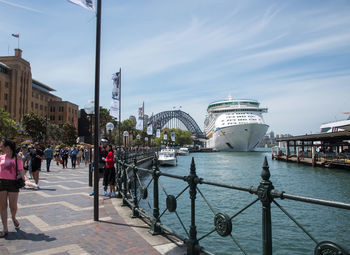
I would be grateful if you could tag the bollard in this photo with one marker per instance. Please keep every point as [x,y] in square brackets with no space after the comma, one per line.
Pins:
[193,247]
[155,229]
[264,194]
[135,213]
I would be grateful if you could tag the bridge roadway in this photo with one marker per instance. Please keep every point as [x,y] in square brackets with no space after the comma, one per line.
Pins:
[58,219]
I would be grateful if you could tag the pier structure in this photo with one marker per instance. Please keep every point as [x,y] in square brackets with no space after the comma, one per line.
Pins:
[324,149]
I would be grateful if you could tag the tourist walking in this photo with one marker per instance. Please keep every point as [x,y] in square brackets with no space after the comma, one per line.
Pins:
[79,156]
[109,173]
[10,167]
[73,155]
[57,156]
[64,156]
[102,164]
[37,156]
[25,155]
[48,157]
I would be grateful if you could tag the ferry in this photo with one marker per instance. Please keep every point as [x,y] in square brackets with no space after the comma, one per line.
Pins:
[167,157]
[336,126]
[234,125]
[183,151]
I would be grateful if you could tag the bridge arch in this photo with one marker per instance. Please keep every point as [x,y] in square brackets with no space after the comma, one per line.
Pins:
[160,119]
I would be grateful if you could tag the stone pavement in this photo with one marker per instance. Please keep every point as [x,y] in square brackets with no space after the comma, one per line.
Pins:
[58,219]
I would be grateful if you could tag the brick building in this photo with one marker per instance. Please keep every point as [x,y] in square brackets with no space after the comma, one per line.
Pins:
[20,94]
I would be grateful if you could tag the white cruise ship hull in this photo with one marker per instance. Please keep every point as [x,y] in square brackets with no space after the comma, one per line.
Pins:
[243,137]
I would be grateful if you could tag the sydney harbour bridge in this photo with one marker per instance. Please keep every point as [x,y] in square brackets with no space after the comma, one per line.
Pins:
[160,120]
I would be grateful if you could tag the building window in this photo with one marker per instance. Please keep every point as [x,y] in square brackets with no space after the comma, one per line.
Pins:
[6,84]
[32,105]
[41,107]
[36,106]
[41,97]
[52,117]
[5,107]
[5,96]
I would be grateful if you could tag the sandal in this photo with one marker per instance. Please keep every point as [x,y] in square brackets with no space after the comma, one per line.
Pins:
[3,234]
[16,223]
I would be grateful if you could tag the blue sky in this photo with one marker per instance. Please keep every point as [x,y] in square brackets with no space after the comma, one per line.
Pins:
[291,56]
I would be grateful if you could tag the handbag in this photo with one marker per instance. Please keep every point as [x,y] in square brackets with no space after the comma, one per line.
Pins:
[19,182]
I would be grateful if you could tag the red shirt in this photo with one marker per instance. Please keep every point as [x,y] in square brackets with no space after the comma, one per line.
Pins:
[110,159]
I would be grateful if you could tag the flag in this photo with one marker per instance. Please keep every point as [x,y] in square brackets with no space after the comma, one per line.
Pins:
[114,109]
[158,133]
[116,86]
[139,124]
[172,135]
[149,129]
[15,35]
[87,4]
[165,137]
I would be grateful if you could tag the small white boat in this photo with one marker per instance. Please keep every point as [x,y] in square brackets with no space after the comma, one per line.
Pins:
[183,152]
[167,157]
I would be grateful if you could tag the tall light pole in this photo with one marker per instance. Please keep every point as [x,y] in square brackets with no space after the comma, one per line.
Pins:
[125,134]
[89,109]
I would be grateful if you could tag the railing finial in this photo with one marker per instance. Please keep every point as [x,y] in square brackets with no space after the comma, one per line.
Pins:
[265,174]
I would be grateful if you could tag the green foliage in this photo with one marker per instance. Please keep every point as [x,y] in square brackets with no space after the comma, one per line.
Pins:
[34,126]
[104,118]
[69,134]
[182,137]
[54,132]
[8,127]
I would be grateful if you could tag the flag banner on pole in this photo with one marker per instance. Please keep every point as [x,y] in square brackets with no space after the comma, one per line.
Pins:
[15,35]
[158,133]
[172,135]
[116,86]
[165,137]
[114,110]
[87,4]
[139,124]
[149,129]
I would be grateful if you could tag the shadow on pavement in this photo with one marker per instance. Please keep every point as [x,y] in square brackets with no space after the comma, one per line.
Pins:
[21,235]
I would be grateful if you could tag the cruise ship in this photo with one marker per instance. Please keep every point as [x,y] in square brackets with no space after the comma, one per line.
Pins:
[234,125]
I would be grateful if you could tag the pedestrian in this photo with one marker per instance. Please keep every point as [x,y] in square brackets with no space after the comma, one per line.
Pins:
[64,156]
[57,156]
[25,155]
[37,156]
[79,156]
[87,156]
[48,157]
[102,163]
[73,155]
[109,173]
[10,168]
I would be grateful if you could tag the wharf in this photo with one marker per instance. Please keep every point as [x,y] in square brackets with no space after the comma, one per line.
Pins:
[58,219]
[202,150]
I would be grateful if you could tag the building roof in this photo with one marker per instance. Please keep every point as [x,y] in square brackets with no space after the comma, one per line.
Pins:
[334,136]
[4,65]
[42,86]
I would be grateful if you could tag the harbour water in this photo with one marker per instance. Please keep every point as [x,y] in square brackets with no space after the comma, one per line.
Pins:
[244,169]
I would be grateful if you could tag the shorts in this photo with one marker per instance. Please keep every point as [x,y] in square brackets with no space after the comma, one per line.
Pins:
[8,185]
[109,176]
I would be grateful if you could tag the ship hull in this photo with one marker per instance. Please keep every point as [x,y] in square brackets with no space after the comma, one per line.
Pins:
[244,137]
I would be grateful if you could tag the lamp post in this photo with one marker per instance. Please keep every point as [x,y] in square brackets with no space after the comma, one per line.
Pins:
[125,134]
[109,128]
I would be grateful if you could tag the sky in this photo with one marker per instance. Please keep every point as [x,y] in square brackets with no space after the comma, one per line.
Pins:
[291,56]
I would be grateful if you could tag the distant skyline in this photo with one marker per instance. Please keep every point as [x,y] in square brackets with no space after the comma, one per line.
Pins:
[291,56]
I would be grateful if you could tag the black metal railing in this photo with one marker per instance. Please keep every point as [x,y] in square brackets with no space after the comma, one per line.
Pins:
[132,190]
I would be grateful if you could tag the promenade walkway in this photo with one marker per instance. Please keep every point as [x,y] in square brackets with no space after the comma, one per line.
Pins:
[58,219]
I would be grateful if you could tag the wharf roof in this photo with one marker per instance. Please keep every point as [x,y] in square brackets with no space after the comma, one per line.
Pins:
[334,136]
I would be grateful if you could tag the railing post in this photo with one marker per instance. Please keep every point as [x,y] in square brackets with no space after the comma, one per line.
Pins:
[125,182]
[192,245]
[118,175]
[135,213]
[155,229]
[90,174]
[264,194]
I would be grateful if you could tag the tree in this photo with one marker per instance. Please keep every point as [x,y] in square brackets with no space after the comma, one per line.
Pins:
[8,127]
[104,118]
[54,132]
[182,137]
[34,125]
[69,134]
